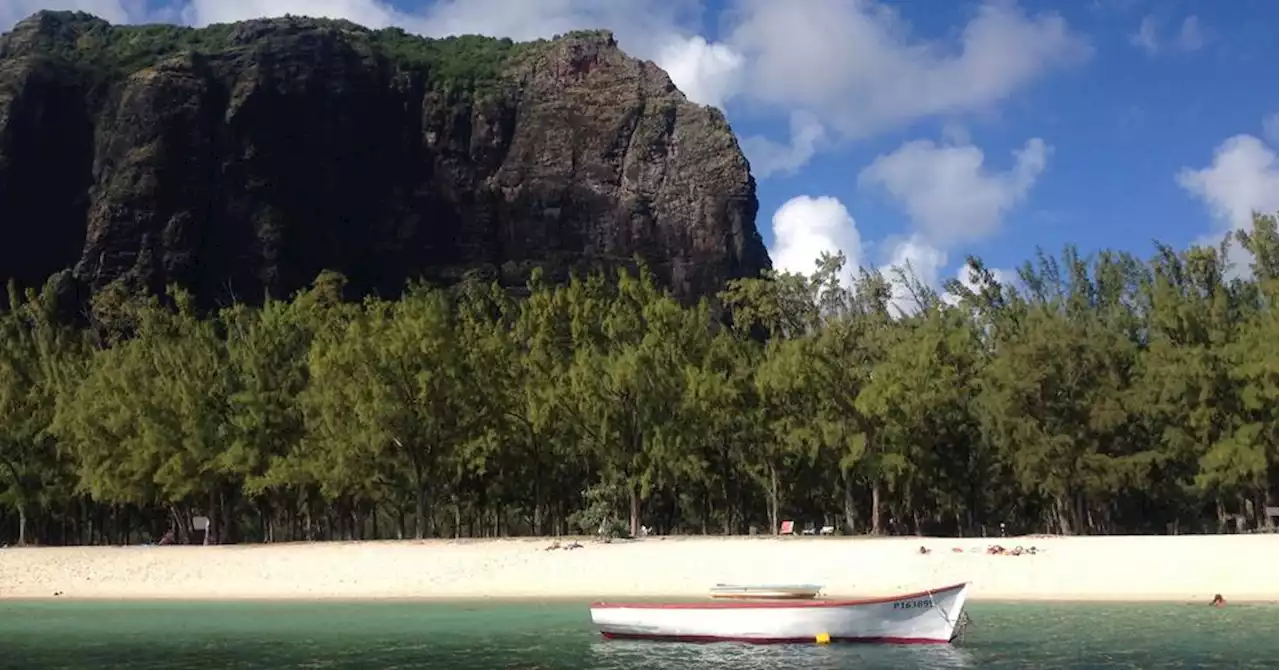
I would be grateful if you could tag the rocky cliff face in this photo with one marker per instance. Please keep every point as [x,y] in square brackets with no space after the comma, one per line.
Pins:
[244,158]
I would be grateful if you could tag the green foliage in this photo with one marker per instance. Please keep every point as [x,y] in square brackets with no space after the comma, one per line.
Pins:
[463,63]
[1097,395]
[149,417]
[36,354]
[456,63]
[597,516]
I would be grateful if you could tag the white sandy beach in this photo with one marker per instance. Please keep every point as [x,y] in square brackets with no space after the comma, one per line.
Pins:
[1181,568]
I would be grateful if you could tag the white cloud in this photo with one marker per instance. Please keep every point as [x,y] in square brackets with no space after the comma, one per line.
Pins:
[1242,179]
[707,73]
[923,259]
[1145,38]
[806,226]
[947,192]
[857,68]
[1190,36]
[950,198]
[917,260]
[924,262]
[768,157]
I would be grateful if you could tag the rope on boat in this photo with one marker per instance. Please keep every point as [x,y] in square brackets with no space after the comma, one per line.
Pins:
[933,579]
[961,622]
[942,611]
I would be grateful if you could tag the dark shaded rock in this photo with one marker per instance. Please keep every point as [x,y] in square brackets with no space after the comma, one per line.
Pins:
[243,159]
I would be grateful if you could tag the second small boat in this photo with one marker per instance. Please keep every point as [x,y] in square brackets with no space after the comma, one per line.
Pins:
[766,591]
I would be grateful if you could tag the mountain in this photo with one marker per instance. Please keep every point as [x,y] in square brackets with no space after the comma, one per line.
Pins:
[240,160]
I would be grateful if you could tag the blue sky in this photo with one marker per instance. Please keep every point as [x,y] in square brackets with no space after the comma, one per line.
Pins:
[926,130]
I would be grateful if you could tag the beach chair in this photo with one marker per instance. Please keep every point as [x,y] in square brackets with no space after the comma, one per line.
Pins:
[788,528]
[827,530]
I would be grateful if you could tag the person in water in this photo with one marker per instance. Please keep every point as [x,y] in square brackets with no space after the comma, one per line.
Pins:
[1218,600]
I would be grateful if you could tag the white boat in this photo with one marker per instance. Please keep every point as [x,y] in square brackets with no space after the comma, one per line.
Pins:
[932,616]
[767,591]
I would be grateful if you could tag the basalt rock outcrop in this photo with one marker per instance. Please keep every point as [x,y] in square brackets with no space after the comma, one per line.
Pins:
[242,159]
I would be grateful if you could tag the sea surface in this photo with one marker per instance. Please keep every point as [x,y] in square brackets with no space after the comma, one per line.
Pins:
[556,635]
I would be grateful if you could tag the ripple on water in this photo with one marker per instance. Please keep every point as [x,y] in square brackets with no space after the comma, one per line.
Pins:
[558,636]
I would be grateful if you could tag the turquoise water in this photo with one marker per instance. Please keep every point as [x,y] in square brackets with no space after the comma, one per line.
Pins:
[528,636]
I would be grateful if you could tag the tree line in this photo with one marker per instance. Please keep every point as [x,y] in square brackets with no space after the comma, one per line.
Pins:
[1091,395]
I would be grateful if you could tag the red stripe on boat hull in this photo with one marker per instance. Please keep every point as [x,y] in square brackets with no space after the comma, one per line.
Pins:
[771,640]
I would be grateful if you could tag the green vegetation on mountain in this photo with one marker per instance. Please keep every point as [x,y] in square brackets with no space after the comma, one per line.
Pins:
[456,62]
[1099,395]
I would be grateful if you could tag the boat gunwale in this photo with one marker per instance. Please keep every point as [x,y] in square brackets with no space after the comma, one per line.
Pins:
[777,604]
[774,640]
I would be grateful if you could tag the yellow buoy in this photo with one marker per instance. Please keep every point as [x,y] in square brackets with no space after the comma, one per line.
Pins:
[824,638]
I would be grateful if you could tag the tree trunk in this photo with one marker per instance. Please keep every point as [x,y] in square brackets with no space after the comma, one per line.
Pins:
[268,525]
[213,519]
[850,510]
[876,528]
[633,494]
[538,529]
[706,510]
[308,529]
[670,514]
[457,521]
[1062,511]
[774,523]
[420,512]
[1082,521]
[100,524]
[229,499]
[179,529]
[22,525]
[728,510]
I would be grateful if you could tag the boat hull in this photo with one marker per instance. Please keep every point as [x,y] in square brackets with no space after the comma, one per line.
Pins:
[927,617]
